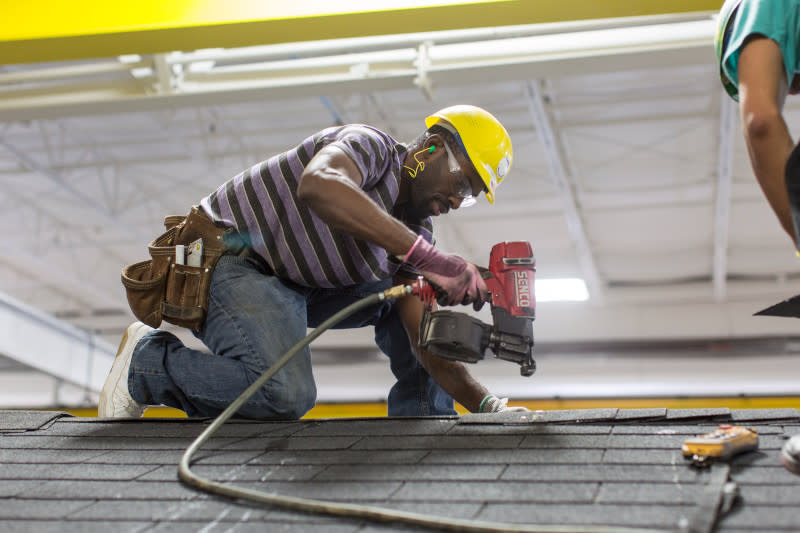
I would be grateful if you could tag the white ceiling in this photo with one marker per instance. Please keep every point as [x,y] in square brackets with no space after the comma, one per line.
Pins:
[630,170]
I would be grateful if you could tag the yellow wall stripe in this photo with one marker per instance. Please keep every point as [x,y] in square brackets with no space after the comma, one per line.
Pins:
[50,30]
[358,410]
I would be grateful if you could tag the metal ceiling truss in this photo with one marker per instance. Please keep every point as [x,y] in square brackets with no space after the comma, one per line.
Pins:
[722,204]
[329,67]
[52,346]
[556,160]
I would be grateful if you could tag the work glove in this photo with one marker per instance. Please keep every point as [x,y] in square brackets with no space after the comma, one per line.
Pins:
[493,404]
[456,280]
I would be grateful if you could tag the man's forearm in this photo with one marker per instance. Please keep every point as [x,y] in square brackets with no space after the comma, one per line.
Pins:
[769,146]
[455,379]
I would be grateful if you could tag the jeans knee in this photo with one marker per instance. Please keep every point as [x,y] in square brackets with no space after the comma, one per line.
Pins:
[283,403]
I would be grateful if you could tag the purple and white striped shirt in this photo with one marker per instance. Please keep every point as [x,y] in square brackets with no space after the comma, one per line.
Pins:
[262,204]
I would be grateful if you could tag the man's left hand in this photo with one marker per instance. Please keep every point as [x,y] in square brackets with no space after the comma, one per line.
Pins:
[493,404]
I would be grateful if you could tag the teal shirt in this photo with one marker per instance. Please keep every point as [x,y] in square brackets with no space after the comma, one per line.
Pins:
[778,20]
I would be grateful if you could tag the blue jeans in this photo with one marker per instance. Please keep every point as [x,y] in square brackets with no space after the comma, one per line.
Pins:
[253,319]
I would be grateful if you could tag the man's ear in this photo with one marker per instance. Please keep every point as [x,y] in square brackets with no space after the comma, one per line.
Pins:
[434,146]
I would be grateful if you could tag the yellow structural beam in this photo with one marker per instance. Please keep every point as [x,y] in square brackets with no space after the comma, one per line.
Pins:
[348,410]
[53,30]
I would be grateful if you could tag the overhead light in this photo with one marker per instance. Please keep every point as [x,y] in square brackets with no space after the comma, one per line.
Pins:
[143,72]
[129,59]
[561,290]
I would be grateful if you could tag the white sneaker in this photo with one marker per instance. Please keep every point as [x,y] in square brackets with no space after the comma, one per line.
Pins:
[790,454]
[115,400]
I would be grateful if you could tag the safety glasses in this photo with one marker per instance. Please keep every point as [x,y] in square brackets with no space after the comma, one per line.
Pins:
[460,184]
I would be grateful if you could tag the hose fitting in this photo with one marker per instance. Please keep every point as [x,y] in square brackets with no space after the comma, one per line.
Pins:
[398,291]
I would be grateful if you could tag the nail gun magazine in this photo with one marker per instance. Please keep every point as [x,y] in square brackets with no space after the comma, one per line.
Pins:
[461,337]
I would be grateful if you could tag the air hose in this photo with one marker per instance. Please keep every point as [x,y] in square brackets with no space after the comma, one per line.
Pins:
[340,509]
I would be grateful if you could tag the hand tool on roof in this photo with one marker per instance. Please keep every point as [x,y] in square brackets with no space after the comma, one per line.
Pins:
[720,444]
[461,337]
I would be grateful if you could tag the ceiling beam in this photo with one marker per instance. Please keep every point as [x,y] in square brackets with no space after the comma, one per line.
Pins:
[722,203]
[608,49]
[557,164]
[94,209]
[81,291]
[53,30]
[52,346]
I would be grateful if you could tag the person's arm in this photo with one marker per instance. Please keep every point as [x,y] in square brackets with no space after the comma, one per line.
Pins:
[762,92]
[330,186]
[452,376]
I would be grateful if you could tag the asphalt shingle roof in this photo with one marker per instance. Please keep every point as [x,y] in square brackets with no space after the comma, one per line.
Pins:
[603,467]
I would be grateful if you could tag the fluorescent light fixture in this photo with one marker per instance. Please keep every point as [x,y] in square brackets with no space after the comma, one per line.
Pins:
[129,59]
[142,72]
[561,290]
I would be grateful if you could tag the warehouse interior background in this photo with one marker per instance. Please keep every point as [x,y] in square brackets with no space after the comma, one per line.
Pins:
[630,174]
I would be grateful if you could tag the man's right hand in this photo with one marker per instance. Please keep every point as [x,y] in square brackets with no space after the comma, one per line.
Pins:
[467,287]
[461,281]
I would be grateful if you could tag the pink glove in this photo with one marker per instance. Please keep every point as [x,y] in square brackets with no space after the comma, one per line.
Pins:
[459,280]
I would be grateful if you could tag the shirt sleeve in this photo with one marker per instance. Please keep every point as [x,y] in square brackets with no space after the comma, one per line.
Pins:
[370,151]
[775,19]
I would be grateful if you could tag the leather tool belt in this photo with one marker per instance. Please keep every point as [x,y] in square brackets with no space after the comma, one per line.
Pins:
[162,288]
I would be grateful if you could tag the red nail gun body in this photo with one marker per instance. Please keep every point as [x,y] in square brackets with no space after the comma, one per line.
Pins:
[461,337]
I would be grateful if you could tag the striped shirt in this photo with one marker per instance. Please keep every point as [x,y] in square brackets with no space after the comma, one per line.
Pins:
[261,203]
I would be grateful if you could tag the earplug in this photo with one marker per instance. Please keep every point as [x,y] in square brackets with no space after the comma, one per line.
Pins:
[431,149]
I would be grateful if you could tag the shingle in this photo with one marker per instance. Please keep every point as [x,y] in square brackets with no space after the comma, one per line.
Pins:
[376,427]
[564,441]
[109,490]
[513,456]
[246,472]
[530,429]
[77,526]
[16,420]
[657,516]
[173,456]
[34,442]
[773,495]
[664,429]
[12,487]
[769,473]
[751,415]
[648,442]
[482,492]
[25,508]
[76,471]
[439,509]
[714,413]
[340,456]
[27,456]
[330,491]
[639,456]
[403,472]
[265,443]
[602,473]
[626,415]
[439,442]
[260,527]
[539,417]
[763,518]
[665,493]
[201,509]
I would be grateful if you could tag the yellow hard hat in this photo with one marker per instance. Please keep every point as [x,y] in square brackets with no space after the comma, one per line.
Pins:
[483,138]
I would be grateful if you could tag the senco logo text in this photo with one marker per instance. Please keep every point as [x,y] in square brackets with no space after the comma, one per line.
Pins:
[523,288]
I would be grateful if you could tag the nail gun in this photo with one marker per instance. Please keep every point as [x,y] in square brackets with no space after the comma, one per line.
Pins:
[461,337]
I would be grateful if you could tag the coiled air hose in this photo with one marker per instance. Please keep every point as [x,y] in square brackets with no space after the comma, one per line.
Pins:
[340,509]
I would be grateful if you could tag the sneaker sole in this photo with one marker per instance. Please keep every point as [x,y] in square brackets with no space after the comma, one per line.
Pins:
[107,392]
[791,464]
